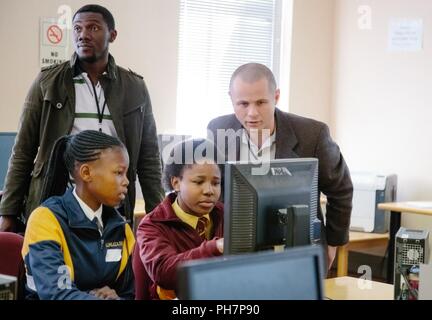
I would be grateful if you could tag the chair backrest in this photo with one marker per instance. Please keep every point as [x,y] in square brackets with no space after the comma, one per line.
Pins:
[142,279]
[11,262]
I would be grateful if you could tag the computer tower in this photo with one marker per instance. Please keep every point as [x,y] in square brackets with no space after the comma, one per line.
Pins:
[8,287]
[411,250]
[370,189]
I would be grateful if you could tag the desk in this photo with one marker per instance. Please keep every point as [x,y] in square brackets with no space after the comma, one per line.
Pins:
[138,214]
[348,288]
[139,206]
[358,240]
[396,208]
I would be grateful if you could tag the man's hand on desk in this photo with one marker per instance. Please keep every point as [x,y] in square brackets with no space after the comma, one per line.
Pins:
[331,254]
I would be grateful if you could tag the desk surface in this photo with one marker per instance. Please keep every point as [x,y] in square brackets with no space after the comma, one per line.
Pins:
[348,288]
[139,207]
[355,236]
[418,207]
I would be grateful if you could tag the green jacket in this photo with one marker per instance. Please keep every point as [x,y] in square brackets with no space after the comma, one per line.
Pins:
[48,114]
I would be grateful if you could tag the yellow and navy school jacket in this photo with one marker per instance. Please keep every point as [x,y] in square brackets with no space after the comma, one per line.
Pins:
[66,256]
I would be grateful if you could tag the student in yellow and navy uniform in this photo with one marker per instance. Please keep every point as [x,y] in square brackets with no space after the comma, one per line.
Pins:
[77,246]
[187,225]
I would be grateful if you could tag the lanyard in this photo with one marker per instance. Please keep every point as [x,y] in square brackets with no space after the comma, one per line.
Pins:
[100,113]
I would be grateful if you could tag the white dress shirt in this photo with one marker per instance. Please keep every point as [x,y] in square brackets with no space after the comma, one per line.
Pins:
[90,214]
[251,153]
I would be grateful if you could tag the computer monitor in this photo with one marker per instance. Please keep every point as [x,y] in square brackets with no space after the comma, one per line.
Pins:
[267,208]
[7,140]
[8,287]
[293,274]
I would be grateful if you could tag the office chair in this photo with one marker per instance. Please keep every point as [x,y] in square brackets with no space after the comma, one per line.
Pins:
[11,262]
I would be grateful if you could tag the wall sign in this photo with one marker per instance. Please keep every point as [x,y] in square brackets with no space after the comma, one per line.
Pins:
[54,42]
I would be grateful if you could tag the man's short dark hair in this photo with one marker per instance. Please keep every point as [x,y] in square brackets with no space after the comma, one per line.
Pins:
[251,72]
[106,14]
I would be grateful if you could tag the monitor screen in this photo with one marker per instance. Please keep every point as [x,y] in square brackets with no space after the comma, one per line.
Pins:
[7,140]
[8,287]
[293,274]
[272,207]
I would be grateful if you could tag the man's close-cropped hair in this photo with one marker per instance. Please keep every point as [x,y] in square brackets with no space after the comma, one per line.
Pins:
[106,14]
[252,72]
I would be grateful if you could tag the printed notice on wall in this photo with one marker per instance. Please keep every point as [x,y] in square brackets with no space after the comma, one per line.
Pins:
[54,42]
[405,35]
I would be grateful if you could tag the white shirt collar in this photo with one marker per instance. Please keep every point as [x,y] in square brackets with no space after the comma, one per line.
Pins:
[250,152]
[267,144]
[90,214]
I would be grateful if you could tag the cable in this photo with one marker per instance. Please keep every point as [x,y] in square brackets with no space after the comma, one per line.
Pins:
[412,291]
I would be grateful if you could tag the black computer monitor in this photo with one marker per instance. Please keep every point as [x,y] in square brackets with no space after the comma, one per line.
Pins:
[293,274]
[270,204]
[7,140]
[8,287]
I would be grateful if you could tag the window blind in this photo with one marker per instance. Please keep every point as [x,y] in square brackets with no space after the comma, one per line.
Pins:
[216,37]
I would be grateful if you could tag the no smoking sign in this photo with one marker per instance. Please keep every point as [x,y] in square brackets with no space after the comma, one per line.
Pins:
[54,34]
[54,42]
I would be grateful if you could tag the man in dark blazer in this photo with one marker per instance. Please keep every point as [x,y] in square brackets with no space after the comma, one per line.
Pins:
[259,130]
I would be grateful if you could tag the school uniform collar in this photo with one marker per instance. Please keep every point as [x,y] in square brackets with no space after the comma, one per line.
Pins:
[164,212]
[78,219]
[90,214]
[187,218]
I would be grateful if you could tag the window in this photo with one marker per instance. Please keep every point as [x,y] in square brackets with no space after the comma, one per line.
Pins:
[215,38]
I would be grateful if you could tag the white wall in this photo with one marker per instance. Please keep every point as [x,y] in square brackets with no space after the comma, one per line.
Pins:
[146,43]
[311,60]
[382,100]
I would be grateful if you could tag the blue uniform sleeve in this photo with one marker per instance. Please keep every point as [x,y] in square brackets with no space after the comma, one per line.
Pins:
[51,276]
[49,267]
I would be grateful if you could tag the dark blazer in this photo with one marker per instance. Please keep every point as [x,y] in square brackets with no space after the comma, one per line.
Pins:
[299,137]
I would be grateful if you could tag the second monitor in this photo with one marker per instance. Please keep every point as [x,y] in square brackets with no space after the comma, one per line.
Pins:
[270,207]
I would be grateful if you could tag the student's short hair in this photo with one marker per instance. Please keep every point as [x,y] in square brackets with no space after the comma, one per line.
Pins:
[252,72]
[106,14]
[83,147]
[187,153]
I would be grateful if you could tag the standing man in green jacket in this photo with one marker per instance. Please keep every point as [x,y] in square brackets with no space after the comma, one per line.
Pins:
[89,92]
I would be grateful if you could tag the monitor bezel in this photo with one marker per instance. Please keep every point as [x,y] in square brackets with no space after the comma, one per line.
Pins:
[187,270]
